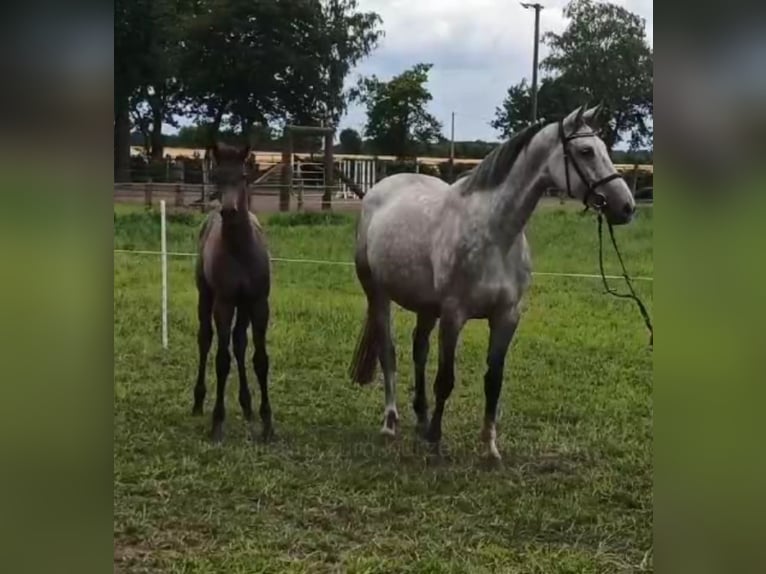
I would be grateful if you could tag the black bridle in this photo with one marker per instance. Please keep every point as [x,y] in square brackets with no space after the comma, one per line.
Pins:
[598,205]
[590,187]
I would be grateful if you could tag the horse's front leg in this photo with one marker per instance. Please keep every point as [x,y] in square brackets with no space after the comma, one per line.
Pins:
[502,327]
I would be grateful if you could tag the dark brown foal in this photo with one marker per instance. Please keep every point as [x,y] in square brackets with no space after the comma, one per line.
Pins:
[233,278]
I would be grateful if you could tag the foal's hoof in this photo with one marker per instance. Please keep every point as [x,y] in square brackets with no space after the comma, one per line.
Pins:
[268,434]
[421,428]
[436,453]
[216,435]
[196,410]
[493,460]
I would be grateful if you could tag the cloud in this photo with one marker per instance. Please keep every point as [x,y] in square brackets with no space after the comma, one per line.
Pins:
[478,49]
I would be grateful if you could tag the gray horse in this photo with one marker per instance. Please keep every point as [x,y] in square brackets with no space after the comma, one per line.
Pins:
[458,252]
[233,274]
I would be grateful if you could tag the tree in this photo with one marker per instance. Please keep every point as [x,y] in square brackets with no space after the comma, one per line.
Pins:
[342,37]
[256,62]
[157,98]
[130,62]
[555,99]
[397,119]
[350,141]
[602,56]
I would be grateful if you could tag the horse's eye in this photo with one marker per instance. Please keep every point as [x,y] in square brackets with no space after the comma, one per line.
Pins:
[587,151]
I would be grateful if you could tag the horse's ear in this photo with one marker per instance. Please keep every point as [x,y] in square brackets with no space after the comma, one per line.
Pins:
[592,117]
[574,121]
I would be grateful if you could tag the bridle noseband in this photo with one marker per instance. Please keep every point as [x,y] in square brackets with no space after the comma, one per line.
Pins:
[600,202]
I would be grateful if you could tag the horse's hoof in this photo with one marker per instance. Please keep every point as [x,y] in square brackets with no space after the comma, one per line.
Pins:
[436,454]
[493,460]
[421,429]
[196,410]
[390,422]
[387,432]
[268,434]
[216,435]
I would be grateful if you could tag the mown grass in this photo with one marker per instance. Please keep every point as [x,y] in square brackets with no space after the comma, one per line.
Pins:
[574,493]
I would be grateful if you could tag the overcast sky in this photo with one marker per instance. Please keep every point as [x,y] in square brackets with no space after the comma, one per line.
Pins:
[478,48]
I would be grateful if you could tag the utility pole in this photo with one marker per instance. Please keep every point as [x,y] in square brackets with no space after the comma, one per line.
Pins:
[452,151]
[537,8]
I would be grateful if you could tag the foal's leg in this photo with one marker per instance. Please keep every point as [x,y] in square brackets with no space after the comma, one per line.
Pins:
[420,336]
[223,312]
[502,328]
[204,340]
[381,314]
[260,319]
[239,344]
[450,325]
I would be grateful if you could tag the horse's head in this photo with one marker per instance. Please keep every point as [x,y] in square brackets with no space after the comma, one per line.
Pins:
[580,164]
[229,175]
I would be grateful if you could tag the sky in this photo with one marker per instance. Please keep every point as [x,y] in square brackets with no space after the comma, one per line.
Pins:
[478,49]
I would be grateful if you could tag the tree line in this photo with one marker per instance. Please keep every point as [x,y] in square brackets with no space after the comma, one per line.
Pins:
[233,64]
[242,67]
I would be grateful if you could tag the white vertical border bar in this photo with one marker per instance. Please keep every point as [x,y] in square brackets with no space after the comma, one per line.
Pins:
[163,240]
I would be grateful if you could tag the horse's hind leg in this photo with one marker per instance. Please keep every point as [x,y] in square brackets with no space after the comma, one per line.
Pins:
[239,345]
[501,331]
[223,312]
[450,325]
[260,319]
[420,345]
[204,340]
[381,315]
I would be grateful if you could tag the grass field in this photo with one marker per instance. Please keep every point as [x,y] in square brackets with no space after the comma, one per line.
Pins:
[574,492]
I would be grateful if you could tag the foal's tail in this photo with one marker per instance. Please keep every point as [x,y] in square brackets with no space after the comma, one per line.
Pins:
[362,369]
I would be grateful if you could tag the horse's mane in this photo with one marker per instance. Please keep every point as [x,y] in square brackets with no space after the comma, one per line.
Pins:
[494,168]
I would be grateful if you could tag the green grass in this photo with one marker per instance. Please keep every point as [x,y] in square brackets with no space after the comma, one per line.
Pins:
[574,492]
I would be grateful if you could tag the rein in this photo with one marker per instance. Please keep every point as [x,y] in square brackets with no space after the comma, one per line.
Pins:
[628,282]
[598,206]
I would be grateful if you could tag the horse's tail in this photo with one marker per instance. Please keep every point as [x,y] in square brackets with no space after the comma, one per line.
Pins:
[362,369]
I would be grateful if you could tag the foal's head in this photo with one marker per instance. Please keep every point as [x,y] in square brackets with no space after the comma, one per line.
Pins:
[229,176]
[581,166]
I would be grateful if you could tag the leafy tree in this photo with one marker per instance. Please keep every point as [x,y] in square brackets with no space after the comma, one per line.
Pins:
[157,99]
[350,141]
[130,63]
[602,56]
[555,99]
[342,37]
[255,62]
[397,118]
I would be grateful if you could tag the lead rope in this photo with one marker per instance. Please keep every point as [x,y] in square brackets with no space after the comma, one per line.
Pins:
[632,294]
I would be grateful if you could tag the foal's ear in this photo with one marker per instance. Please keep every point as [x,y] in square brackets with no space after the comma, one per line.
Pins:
[574,121]
[593,118]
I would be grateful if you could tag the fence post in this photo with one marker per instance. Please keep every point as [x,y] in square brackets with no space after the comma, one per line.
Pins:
[164,247]
[148,194]
[329,171]
[634,179]
[205,181]
[286,179]
[179,196]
